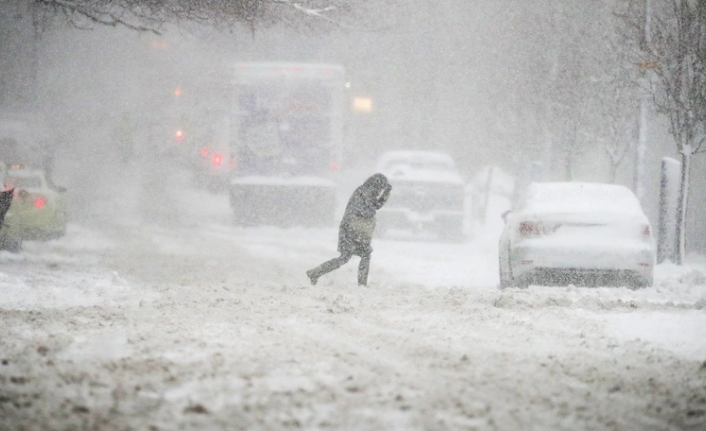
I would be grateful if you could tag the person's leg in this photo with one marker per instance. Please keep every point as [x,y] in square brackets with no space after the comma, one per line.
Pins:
[363,269]
[327,267]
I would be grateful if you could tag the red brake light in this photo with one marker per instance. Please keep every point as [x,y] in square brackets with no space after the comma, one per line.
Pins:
[528,228]
[217,160]
[39,202]
[536,228]
[334,166]
[204,151]
[179,135]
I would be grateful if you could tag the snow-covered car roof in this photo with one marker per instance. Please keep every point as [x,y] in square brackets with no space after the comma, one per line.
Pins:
[417,165]
[576,197]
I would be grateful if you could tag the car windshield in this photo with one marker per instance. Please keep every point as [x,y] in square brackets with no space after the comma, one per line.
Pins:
[23,182]
[420,164]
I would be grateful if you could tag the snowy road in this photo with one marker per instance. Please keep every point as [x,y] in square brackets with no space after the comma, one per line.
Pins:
[195,325]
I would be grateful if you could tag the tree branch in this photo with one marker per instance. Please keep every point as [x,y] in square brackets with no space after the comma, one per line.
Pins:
[150,16]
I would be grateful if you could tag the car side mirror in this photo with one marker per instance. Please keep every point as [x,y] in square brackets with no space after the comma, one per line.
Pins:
[504,215]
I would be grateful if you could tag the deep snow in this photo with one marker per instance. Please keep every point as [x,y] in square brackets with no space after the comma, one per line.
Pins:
[192,323]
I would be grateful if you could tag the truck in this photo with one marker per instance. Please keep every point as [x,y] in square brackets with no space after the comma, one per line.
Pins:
[286,133]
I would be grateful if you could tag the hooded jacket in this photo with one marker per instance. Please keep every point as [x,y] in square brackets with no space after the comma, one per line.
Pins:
[356,230]
[5,202]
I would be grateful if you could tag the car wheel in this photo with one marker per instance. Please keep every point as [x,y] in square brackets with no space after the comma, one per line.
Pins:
[519,282]
[13,245]
[504,279]
[504,282]
[523,283]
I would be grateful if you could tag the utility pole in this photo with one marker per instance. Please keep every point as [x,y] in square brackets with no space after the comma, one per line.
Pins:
[641,148]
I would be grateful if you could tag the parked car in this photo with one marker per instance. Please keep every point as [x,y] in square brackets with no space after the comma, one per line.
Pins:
[427,196]
[38,210]
[583,234]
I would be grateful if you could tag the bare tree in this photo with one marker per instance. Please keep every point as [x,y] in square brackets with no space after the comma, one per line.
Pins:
[549,70]
[672,47]
[153,15]
[621,128]
[618,96]
[571,98]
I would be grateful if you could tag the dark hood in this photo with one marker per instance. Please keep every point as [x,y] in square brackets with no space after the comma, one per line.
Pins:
[376,183]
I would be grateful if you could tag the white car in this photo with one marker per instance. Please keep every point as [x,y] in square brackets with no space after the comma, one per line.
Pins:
[585,234]
[427,194]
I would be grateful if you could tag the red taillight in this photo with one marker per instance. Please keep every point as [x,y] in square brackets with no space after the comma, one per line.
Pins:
[536,228]
[217,159]
[179,135]
[529,228]
[334,166]
[204,151]
[39,202]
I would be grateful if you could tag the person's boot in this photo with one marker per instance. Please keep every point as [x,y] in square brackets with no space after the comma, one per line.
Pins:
[363,269]
[312,277]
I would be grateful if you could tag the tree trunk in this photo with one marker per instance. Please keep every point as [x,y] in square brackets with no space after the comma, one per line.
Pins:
[680,237]
[613,172]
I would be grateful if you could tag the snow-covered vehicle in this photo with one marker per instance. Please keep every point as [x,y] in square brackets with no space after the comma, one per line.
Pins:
[427,195]
[286,134]
[577,233]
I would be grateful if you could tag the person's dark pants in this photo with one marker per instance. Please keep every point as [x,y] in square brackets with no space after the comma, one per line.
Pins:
[330,265]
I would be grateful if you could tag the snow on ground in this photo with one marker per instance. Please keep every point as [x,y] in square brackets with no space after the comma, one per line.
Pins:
[190,322]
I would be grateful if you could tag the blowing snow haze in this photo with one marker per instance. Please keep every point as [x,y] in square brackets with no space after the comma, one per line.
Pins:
[208,152]
[502,83]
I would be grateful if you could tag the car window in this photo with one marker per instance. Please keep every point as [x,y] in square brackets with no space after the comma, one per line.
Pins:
[420,164]
[23,182]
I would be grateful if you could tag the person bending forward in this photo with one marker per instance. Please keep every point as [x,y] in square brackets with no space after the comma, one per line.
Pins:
[356,230]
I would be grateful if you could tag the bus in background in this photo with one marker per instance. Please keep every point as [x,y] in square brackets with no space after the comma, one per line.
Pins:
[286,134]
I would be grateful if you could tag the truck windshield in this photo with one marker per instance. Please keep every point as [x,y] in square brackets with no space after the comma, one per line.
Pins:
[285,127]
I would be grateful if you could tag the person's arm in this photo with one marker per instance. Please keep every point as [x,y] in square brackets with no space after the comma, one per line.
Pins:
[383,197]
[361,205]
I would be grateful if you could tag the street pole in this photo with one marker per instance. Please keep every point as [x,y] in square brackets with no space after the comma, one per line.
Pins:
[641,150]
